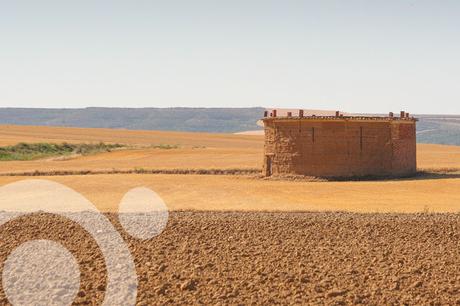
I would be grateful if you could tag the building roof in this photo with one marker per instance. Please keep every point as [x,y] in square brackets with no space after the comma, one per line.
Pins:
[283,114]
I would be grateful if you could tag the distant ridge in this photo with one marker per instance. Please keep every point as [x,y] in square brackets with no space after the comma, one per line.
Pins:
[224,120]
[439,129]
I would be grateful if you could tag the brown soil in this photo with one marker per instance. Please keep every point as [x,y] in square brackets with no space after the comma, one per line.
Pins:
[265,258]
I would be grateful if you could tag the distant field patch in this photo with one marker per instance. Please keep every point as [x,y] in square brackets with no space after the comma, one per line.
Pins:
[31,151]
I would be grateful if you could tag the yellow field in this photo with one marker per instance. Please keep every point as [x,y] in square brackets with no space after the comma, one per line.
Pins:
[431,156]
[186,158]
[12,134]
[210,192]
[196,150]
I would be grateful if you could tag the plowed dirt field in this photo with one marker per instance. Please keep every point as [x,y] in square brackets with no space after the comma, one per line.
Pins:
[273,258]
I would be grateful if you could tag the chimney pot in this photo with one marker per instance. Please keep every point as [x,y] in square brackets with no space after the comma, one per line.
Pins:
[274,113]
[403,114]
[265,114]
[391,115]
[300,113]
[337,113]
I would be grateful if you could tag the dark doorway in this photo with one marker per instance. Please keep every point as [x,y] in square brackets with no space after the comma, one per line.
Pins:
[268,165]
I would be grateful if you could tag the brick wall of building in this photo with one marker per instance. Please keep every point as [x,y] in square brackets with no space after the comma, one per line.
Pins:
[339,147]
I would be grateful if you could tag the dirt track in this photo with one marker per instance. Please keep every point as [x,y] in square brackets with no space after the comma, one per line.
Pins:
[260,258]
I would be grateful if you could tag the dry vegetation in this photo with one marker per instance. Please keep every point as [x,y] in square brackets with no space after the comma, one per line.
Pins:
[210,192]
[187,151]
[146,158]
[198,153]
[438,157]
[13,134]
[34,151]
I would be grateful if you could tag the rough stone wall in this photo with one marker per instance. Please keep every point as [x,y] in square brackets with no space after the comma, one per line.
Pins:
[339,148]
[404,148]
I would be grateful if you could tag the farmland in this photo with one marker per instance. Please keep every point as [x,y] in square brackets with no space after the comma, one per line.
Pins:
[245,239]
[267,258]
[186,150]
[216,192]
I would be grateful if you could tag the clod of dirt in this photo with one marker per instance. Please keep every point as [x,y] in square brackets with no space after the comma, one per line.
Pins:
[161,268]
[188,285]
[334,293]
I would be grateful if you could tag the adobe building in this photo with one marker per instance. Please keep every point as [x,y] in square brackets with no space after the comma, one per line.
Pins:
[338,145]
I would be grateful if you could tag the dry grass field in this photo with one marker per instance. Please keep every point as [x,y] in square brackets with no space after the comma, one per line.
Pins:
[181,158]
[430,156]
[194,150]
[216,192]
[231,193]
[12,134]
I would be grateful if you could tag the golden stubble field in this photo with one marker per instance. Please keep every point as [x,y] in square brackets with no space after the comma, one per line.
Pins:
[215,192]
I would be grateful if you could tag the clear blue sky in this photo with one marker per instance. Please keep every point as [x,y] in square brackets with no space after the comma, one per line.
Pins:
[357,56]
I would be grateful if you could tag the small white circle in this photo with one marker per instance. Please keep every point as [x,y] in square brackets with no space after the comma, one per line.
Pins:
[143,213]
[41,272]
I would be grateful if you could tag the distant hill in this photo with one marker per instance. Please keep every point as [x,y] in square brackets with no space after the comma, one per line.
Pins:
[225,120]
[440,129]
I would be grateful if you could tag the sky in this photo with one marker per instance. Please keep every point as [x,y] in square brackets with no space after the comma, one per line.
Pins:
[354,56]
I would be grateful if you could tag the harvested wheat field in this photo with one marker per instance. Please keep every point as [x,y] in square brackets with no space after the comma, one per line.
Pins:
[242,193]
[12,134]
[431,156]
[437,193]
[185,151]
[150,150]
[145,158]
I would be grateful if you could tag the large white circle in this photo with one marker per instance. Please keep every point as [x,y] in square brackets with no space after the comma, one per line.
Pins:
[143,213]
[41,272]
